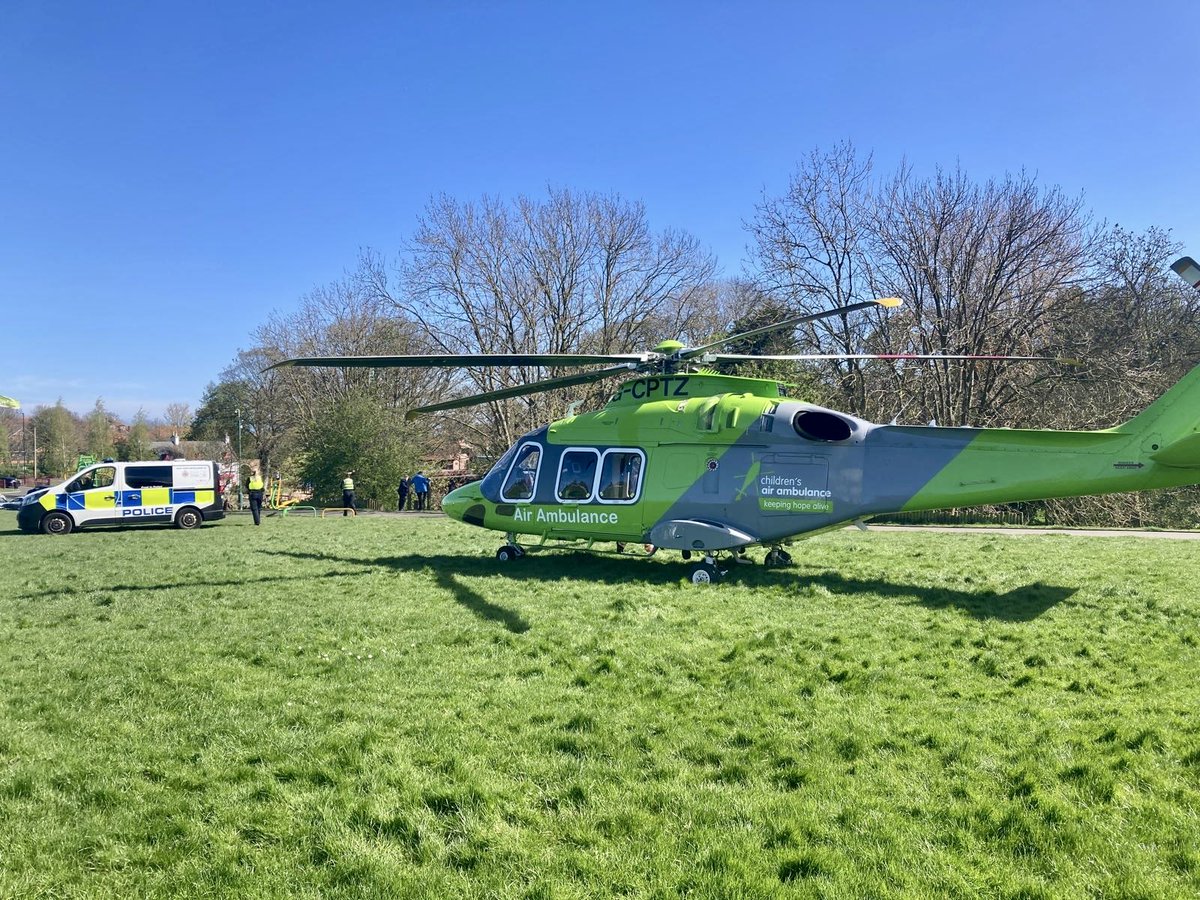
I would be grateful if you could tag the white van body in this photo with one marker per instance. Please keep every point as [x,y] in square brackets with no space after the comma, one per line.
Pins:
[180,491]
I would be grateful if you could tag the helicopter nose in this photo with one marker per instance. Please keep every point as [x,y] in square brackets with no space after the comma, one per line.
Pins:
[460,500]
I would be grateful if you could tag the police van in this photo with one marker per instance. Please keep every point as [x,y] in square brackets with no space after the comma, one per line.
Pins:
[182,492]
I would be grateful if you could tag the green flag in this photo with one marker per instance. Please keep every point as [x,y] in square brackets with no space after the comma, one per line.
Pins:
[9,402]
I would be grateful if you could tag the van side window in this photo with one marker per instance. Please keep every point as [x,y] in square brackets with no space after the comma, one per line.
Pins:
[137,477]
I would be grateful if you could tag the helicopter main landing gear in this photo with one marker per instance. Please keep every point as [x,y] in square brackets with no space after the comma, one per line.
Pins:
[776,557]
[707,572]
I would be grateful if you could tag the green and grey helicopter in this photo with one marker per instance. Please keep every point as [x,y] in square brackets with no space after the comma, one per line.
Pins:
[685,459]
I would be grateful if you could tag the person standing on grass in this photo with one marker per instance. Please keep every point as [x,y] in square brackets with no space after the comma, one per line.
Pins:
[402,492]
[420,486]
[347,494]
[255,487]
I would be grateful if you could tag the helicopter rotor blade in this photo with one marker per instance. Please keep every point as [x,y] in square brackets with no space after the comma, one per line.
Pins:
[464,359]
[800,357]
[886,302]
[547,384]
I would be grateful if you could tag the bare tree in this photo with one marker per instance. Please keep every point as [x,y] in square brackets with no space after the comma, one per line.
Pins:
[810,252]
[571,273]
[179,418]
[979,267]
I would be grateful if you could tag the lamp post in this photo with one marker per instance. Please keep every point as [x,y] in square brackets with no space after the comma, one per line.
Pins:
[239,476]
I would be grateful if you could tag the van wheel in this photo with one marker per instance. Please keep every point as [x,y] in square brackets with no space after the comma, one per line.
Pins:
[57,523]
[188,517]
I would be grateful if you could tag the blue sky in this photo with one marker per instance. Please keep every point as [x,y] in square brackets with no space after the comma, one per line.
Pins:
[171,173]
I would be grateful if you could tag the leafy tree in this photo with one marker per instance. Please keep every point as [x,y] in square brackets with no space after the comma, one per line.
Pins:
[10,429]
[221,408]
[98,428]
[137,443]
[354,434]
[57,436]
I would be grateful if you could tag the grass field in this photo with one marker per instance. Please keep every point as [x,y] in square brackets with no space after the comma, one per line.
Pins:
[376,708]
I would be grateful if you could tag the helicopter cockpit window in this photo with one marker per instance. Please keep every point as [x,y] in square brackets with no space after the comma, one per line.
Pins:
[621,475]
[577,474]
[522,477]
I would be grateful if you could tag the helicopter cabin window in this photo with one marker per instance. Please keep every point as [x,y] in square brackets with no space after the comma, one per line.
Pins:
[621,475]
[577,475]
[522,476]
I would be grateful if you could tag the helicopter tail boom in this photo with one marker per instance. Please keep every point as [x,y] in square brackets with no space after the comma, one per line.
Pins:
[1156,449]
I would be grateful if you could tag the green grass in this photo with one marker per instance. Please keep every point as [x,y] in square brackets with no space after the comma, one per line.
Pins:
[375,707]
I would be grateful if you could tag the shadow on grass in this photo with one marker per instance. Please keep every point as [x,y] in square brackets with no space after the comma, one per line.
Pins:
[478,604]
[1020,604]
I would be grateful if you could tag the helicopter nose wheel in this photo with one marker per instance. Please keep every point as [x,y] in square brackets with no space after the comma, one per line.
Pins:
[509,552]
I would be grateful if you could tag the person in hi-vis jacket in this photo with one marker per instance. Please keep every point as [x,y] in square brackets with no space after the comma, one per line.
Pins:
[256,488]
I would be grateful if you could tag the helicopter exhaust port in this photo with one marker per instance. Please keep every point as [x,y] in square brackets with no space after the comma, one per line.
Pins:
[819,425]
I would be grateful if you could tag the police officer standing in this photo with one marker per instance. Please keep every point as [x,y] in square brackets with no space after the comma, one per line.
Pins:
[347,494]
[255,486]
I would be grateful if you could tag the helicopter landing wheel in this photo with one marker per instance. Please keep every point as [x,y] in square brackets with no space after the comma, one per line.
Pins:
[509,552]
[777,556]
[706,573]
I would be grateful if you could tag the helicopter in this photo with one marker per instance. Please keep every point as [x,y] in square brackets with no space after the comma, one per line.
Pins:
[685,458]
